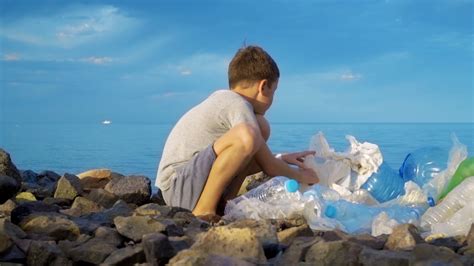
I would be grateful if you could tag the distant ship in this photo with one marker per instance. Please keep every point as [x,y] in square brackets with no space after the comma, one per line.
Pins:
[106,122]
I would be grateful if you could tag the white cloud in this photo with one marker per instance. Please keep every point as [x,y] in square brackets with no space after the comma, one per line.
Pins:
[97,60]
[350,76]
[11,57]
[186,72]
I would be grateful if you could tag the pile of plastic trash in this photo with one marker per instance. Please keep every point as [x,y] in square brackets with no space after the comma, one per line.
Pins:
[360,193]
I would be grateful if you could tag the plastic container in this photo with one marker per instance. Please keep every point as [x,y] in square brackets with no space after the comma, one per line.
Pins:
[424,164]
[276,189]
[385,184]
[465,169]
[460,196]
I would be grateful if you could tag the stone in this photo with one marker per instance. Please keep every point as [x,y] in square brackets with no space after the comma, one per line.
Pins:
[102,197]
[11,230]
[264,230]
[46,253]
[214,259]
[93,251]
[158,198]
[25,196]
[131,189]
[13,255]
[7,207]
[126,256]
[241,243]
[96,178]
[50,175]
[453,243]
[426,254]
[82,206]
[108,235]
[187,218]
[370,256]
[134,227]
[153,209]
[333,235]
[26,209]
[7,168]
[158,249]
[29,176]
[5,243]
[297,251]
[40,191]
[172,229]
[50,226]
[189,257]
[287,236]
[8,187]
[339,252]
[370,241]
[68,187]
[180,242]
[403,237]
[67,245]
[64,203]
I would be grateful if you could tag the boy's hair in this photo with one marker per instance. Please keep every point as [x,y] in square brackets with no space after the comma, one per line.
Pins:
[251,64]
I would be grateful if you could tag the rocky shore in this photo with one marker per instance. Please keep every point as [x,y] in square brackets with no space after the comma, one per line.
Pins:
[103,217]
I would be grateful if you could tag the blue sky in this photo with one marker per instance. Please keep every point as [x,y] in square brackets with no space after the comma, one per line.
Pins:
[150,61]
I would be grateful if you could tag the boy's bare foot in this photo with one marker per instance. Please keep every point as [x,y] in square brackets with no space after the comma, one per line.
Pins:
[211,218]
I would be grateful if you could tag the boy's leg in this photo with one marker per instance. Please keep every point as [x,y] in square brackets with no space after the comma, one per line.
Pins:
[234,151]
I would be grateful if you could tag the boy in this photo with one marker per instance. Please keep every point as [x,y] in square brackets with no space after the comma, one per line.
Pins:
[219,142]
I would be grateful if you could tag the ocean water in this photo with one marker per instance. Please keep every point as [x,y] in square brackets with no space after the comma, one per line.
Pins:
[136,148]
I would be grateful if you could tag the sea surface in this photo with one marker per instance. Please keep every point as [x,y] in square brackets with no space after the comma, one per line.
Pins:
[136,148]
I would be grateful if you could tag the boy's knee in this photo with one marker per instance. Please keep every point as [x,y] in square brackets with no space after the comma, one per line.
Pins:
[250,138]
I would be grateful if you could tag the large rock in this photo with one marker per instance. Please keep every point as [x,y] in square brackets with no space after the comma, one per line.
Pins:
[82,206]
[403,237]
[96,178]
[7,207]
[7,167]
[130,255]
[29,176]
[102,197]
[68,187]
[8,187]
[333,253]
[158,249]
[50,227]
[46,253]
[5,243]
[153,209]
[370,256]
[134,227]
[24,210]
[425,254]
[11,230]
[264,230]
[131,189]
[25,197]
[297,251]
[287,236]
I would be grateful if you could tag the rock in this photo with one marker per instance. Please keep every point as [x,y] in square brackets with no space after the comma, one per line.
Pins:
[370,256]
[126,256]
[29,176]
[153,209]
[158,198]
[50,227]
[297,251]
[403,237]
[264,230]
[180,242]
[131,189]
[450,242]
[339,252]
[25,196]
[7,207]
[68,187]
[50,175]
[46,253]
[94,251]
[172,229]
[287,236]
[82,206]
[214,259]
[425,254]
[40,191]
[333,235]
[26,209]
[108,235]
[134,227]
[12,231]
[102,197]
[67,245]
[191,257]
[65,203]
[13,255]
[97,178]
[7,168]
[470,237]
[241,243]
[158,249]
[8,187]
[5,243]
[370,241]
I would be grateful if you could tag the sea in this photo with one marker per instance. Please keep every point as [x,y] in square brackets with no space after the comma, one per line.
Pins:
[135,149]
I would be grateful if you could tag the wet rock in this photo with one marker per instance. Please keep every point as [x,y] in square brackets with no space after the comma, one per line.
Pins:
[370,256]
[264,230]
[126,256]
[153,209]
[131,189]
[50,227]
[8,188]
[82,206]
[287,236]
[46,253]
[297,251]
[134,227]
[25,197]
[25,209]
[68,187]
[403,237]
[102,197]
[425,254]
[333,253]
[96,178]
[7,207]
[158,249]
[7,168]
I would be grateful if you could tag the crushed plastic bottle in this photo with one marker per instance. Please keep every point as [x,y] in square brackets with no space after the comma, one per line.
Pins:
[385,184]
[460,196]
[422,165]
[274,189]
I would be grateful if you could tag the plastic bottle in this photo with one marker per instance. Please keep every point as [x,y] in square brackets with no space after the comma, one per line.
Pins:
[275,189]
[460,196]
[465,169]
[385,184]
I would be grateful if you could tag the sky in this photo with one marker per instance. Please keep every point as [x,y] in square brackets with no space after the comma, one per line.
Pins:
[150,61]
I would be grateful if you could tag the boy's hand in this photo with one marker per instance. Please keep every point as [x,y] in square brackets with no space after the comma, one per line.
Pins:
[308,176]
[296,158]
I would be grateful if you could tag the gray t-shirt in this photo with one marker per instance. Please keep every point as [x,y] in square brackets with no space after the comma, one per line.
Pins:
[200,127]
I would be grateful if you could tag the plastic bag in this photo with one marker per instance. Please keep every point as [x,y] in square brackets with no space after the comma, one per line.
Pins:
[382,224]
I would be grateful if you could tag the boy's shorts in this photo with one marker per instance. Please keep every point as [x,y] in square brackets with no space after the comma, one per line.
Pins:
[189,179]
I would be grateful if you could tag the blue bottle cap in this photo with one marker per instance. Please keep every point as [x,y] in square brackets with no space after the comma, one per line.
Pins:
[291,185]
[431,201]
[330,211]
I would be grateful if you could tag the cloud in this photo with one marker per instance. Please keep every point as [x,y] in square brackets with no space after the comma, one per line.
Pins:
[186,72]
[11,57]
[97,60]
[171,94]
[350,76]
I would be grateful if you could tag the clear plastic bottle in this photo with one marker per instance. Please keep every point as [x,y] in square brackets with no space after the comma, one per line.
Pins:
[460,196]
[424,164]
[276,189]
[385,184]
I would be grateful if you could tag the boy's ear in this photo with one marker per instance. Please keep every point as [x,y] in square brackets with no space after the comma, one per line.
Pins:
[263,86]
